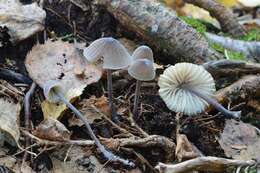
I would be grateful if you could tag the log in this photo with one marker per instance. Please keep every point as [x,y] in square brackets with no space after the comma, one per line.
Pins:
[161,29]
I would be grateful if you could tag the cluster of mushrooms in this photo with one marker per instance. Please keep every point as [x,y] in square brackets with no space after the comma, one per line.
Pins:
[184,87]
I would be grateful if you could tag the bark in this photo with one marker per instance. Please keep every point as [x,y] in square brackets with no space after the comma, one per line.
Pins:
[249,48]
[161,29]
[244,89]
[212,164]
[224,68]
[226,18]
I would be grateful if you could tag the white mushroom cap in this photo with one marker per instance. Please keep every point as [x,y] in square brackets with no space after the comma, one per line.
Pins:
[49,89]
[143,52]
[174,84]
[142,69]
[114,53]
[250,3]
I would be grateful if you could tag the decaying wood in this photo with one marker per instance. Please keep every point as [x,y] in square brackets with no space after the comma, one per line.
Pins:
[161,29]
[251,49]
[224,68]
[213,164]
[226,18]
[151,141]
[244,89]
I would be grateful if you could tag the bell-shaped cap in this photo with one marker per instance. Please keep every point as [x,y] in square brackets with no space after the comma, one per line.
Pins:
[175,84]
[143,52]
[50,88]
[142,69]
[115,56]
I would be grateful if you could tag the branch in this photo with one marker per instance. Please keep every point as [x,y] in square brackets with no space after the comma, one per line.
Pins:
[224,68]
[226,18]
[161,29]
[250,49]
[151,141]
[212,164]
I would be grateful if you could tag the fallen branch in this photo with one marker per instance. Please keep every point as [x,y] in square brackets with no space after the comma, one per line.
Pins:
[212,164]
[226,68]
[244,89]
[226,18]
[250,49]
[161,29]
[151,141]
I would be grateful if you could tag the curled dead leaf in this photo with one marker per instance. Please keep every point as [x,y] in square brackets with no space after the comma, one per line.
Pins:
[58,61]
[53,130]
[22,21]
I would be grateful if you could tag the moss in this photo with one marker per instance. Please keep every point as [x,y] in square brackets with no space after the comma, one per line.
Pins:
[252,35]
[196,24]
[228,53]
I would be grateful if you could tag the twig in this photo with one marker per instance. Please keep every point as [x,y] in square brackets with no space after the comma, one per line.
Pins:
[212,164]
[133,123]
[249,48]
[12,76]
[48,142]
[151,141]
[226,18]
[27,114]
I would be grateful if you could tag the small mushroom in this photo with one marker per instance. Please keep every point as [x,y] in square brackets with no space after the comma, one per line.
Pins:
[115,57]
[143,52]
[141,70]
[53,92]
[189,88]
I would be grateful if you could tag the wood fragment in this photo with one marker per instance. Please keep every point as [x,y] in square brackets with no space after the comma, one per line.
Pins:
[244,89]
[226,18]
[224,68]
[160,27]
[151,141]
[213,164]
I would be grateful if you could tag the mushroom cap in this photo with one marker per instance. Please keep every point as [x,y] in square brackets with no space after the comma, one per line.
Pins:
[142,69]
[114,53]
[143,52]
[49,89]
[174,86]
[250,3]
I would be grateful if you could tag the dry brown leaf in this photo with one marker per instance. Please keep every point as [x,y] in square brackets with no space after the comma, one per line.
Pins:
[58,61]
[53,130]
[22,21]
[86,107]
[240,140]
[9,113]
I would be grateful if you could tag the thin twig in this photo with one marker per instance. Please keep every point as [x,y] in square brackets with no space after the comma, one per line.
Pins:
[27,114]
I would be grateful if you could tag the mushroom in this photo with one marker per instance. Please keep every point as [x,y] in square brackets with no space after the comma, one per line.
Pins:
[141,70]
[115,57]
[143,52]
[54,93]
[189,88]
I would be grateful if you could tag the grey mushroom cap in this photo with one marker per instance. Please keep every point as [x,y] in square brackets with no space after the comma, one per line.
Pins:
[50,88]
[143,52]
[115,55]
[142,69]
[176,84]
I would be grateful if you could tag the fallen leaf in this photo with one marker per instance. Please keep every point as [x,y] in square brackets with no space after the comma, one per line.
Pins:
[57,61]
[86,107]
[78,160]
[53,130]
[240,140]
[9,113]
[22,21]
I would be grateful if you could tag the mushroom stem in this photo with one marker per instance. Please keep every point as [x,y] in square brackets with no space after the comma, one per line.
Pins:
[219,107]
[107,154]
[136,100]
[110,96]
